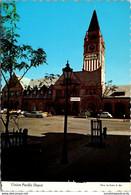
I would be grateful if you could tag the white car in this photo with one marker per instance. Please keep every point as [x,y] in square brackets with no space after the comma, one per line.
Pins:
[4,111]
[1,111]
[105,115]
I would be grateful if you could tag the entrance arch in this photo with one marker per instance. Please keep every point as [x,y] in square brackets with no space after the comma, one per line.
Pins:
[58,108]
[108,107]
[91,108]
[119,110]
[75,108]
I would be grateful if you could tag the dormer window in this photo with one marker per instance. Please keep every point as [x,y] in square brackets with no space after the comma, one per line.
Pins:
[41,92]
[49,91]
[27,92]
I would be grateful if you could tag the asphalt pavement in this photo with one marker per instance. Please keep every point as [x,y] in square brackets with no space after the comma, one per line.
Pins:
[40,159]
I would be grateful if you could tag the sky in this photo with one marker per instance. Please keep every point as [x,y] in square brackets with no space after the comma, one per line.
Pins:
[59,27]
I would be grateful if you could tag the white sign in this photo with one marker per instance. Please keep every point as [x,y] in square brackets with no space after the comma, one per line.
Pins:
[75,99]
[90,57]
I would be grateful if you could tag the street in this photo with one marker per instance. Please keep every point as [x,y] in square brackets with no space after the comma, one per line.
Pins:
[44,151]
[38,126]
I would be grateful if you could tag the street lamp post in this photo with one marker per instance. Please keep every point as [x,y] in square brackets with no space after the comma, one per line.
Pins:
[67,71]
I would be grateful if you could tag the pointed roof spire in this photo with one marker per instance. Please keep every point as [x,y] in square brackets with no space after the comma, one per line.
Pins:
[94,25]
[86,36]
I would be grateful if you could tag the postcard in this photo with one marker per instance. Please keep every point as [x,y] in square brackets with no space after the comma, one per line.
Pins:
[65,96]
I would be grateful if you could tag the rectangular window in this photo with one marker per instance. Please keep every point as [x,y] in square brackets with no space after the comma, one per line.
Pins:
[91,91]
[87,92]
[12,93]
[76,93]
[59,93]
[18,93]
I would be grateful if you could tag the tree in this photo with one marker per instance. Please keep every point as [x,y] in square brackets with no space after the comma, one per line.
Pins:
[14,56]
[51,76]
[108,89]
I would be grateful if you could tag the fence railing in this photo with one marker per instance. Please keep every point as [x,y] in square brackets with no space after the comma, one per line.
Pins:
[14,138]
[97,135]
[96,131]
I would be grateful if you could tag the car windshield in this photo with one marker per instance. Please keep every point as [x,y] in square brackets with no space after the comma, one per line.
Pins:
[35,112]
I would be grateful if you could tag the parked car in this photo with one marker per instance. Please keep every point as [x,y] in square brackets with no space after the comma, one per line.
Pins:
[44,113]
[18,111]
[4,111]
[84,114]
[15,112]
[34,114]
[105,115]
[1,111]
[24,112]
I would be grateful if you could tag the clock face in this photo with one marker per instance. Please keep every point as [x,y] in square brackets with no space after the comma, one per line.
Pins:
[92,47]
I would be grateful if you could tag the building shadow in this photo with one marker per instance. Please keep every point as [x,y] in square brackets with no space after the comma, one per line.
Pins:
[40,159]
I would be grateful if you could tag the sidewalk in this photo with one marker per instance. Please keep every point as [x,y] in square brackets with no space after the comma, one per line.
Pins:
[41,159]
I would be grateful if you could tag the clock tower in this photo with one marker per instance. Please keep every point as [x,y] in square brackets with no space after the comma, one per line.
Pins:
[94,49]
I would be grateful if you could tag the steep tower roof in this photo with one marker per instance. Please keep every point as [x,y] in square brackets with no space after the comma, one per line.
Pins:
[94,25]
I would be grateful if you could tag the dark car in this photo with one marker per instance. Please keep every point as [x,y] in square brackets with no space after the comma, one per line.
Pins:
[34,114]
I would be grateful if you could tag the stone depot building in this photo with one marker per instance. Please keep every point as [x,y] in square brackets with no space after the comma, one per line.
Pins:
[87,90]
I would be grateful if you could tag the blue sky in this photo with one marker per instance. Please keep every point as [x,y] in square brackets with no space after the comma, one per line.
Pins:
[59,27]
